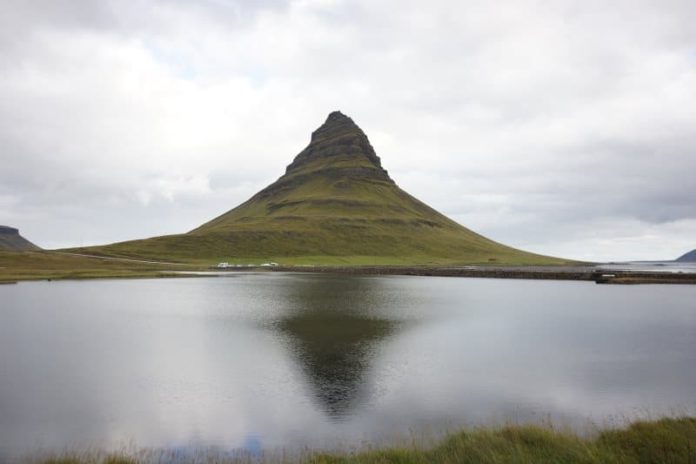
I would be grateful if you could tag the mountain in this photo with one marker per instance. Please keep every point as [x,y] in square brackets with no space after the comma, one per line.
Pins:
[10,240]
[689,257]
[334,204]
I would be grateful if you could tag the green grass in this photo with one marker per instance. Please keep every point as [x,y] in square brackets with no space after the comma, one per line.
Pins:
[668,441]
[16,243]
[323,220]
[664,441]
[90,459]
[34,265]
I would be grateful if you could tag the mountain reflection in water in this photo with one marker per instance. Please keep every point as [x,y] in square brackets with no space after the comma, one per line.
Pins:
[334,330]
[271,361]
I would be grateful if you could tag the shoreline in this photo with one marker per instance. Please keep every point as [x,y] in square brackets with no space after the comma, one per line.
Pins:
[48,266]
[583,273]
[587,273]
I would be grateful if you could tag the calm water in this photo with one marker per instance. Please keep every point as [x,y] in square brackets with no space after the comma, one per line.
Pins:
[274,360]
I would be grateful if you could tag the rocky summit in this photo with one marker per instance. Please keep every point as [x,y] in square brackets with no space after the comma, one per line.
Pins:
[340,138]
[334,204]
[11,240]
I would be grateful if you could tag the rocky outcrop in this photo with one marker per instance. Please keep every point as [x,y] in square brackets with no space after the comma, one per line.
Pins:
[338,136]
[7,230]
[339,151]
[12,241]
[689,257]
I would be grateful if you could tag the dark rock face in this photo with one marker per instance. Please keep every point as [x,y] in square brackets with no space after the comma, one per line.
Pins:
[689,257]
[339,151]
[6,230]
[12,241]
[338,136]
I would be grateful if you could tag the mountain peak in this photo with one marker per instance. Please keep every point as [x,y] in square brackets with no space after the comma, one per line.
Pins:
[336,123]
[337,116]
[338,141]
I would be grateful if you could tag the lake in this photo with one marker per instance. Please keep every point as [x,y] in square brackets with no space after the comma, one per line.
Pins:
[269,360]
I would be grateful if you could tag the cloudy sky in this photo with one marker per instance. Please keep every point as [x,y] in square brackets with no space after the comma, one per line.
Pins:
[562,127]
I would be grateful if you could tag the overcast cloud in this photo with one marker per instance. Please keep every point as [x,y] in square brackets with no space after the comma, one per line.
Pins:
[561,127]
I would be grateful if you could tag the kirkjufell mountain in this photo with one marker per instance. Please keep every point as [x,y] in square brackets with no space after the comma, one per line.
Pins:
[11,240]
[335,203]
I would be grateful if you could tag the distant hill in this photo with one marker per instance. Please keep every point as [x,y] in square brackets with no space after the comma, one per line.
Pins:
[10,240]
[689,257]
[335,203]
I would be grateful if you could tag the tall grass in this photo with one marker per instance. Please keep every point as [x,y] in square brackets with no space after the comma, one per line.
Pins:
[669,441]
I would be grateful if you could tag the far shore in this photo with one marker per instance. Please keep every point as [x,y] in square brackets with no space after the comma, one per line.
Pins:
[586,272]
[49,265]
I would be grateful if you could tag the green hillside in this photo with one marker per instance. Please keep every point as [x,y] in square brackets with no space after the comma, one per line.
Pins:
[35,265]
[11,240]
[334,204]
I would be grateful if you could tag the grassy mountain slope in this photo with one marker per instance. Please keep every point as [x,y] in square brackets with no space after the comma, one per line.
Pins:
[11,240]
[334,204]
[33,265]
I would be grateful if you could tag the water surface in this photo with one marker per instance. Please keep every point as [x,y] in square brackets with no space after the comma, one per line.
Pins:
[286,360]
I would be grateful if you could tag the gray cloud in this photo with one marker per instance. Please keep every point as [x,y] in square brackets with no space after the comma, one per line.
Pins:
[566,128]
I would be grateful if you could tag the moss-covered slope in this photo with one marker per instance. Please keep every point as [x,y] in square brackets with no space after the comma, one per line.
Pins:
[334,204]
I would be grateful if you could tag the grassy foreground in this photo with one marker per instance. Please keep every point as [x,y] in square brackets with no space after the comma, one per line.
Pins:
[662,441]
[36,265]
